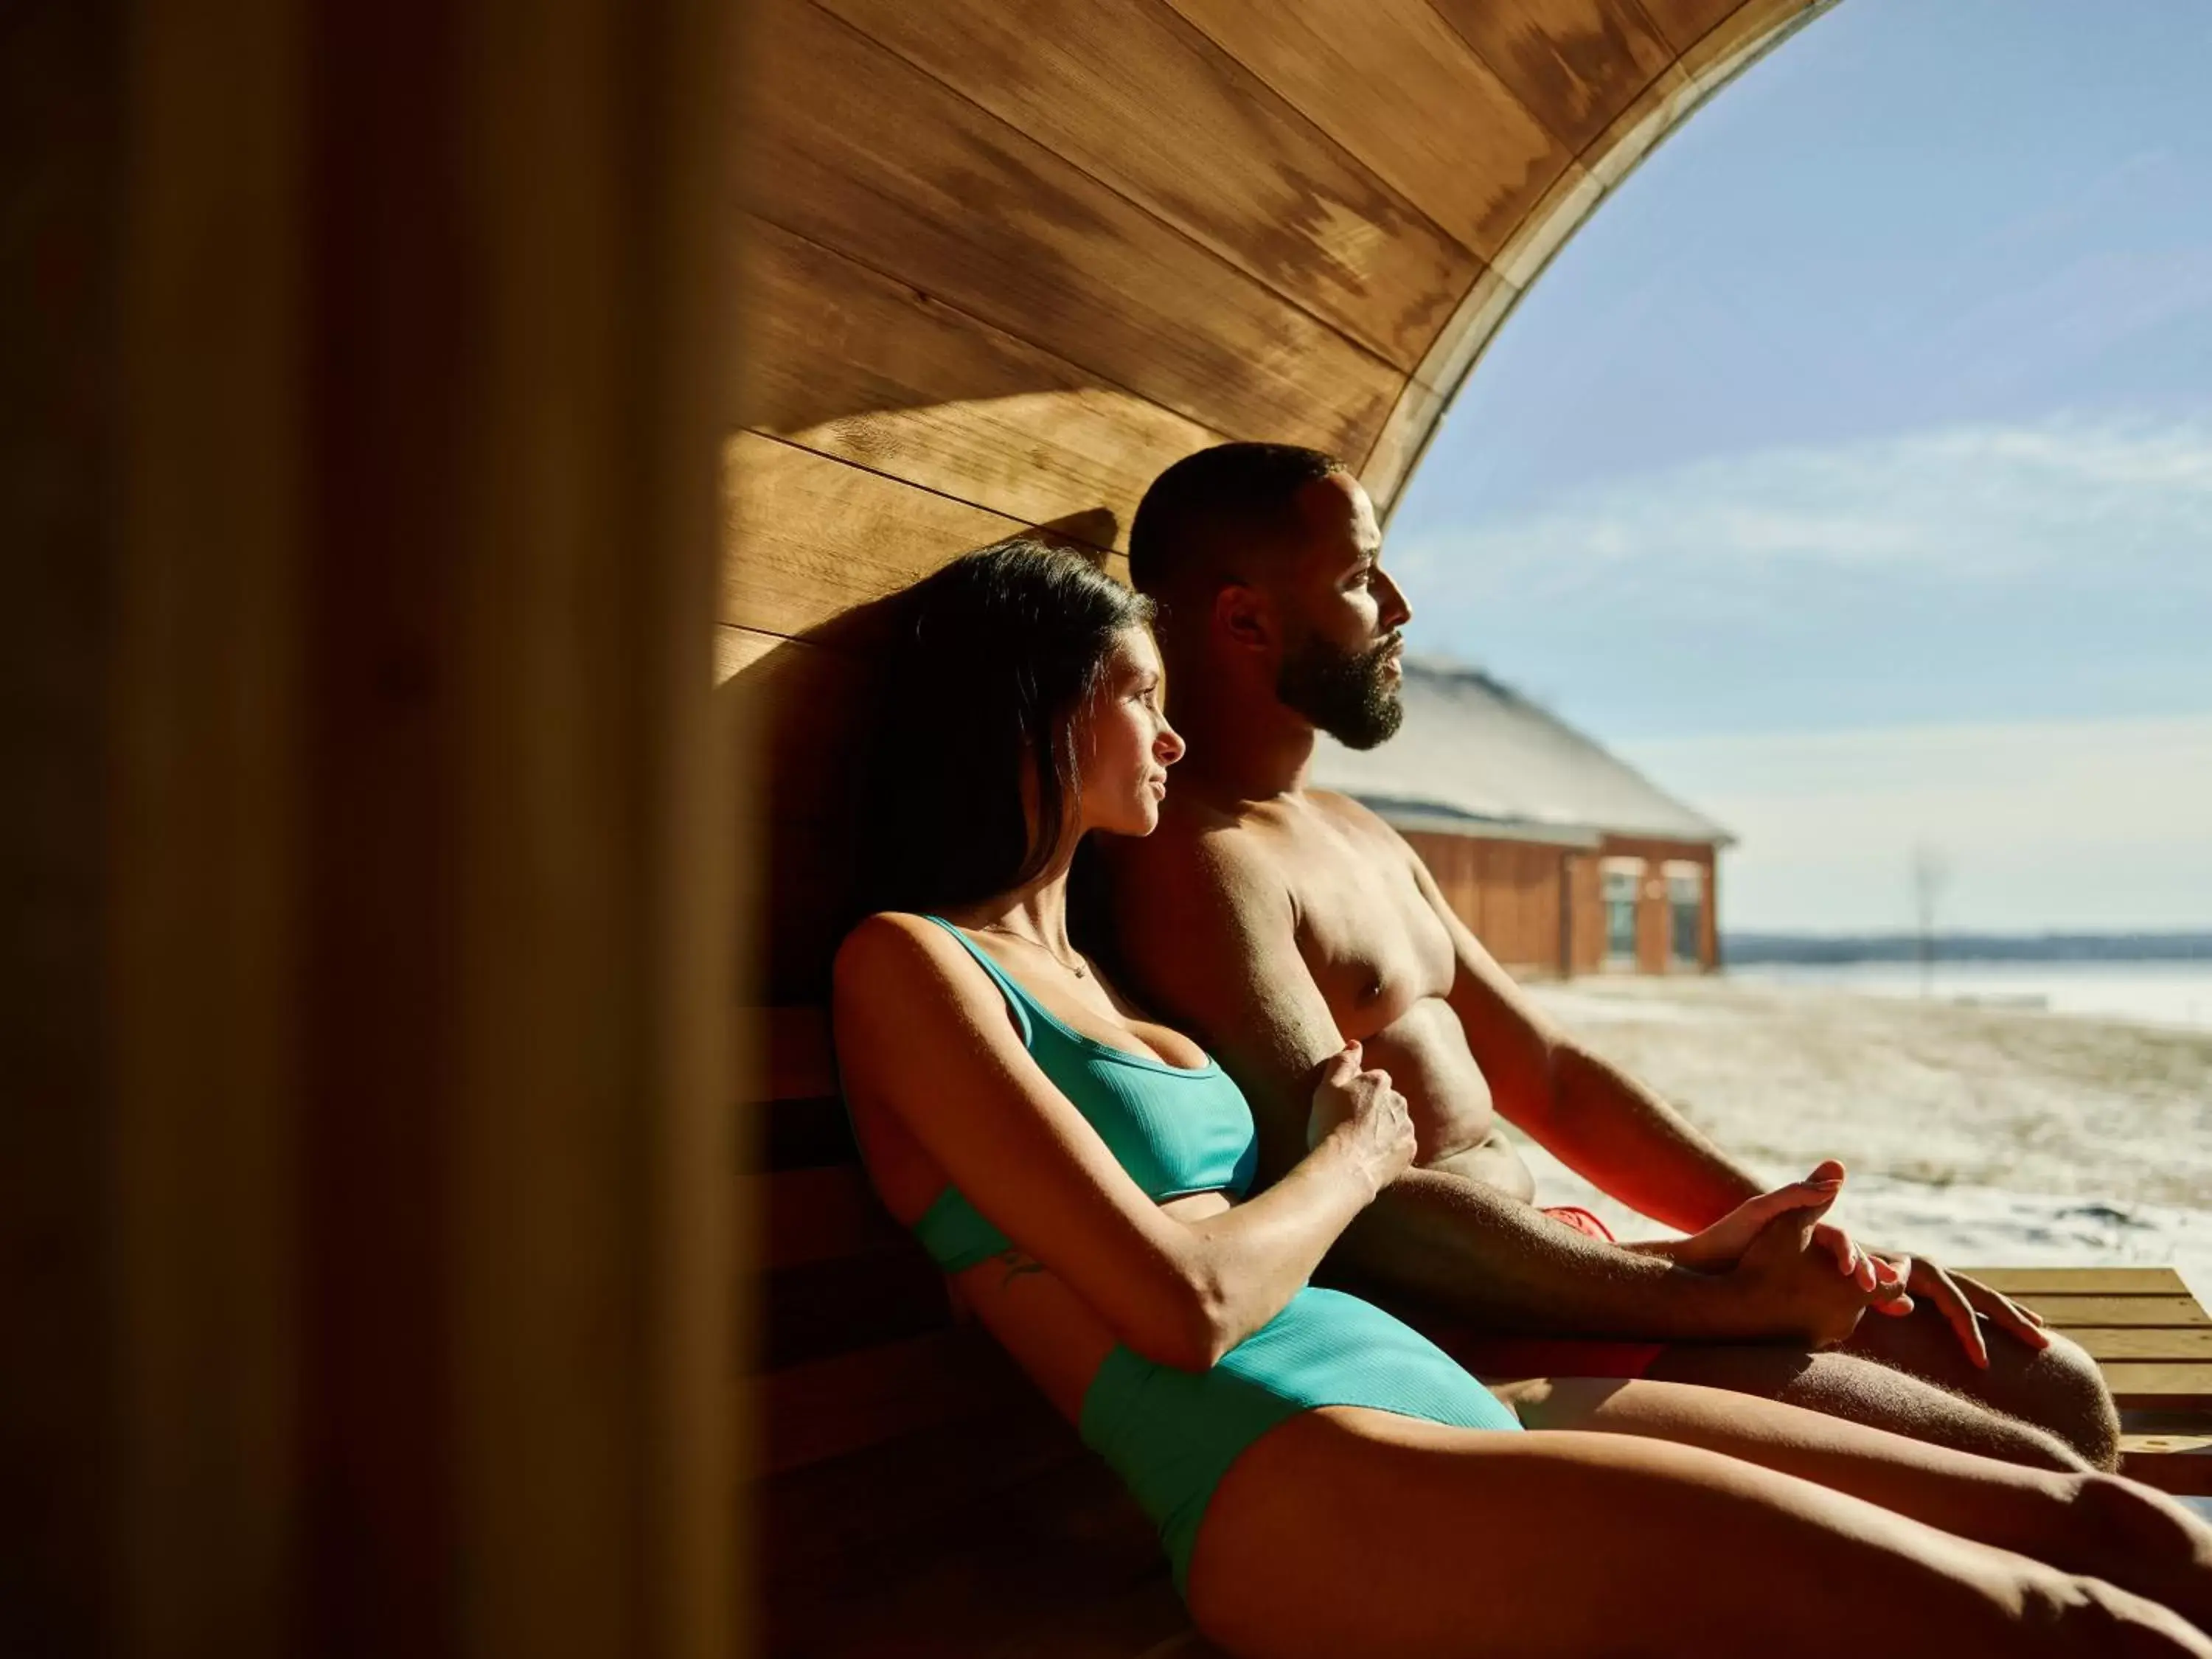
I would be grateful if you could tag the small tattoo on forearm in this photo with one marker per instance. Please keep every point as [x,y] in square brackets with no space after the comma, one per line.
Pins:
[1016,1265]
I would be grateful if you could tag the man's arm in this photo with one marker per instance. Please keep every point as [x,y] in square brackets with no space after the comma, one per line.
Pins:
[1208,933]
[1617,1134]
[1594,1118]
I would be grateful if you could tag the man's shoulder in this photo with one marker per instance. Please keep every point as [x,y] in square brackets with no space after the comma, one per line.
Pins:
[1347,812]
[1199,861]
[1192,836]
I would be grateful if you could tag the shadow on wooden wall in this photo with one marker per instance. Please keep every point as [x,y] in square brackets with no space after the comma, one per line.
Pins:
[803,711]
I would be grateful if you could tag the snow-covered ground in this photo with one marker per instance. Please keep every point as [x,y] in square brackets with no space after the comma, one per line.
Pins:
[1974,1132]
[2141,993]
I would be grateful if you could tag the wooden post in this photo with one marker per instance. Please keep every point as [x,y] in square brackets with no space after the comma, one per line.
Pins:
[384,1247]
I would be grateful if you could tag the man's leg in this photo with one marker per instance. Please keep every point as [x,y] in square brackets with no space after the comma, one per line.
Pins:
[2059,1389]
[1885,1395]
[2035,1396]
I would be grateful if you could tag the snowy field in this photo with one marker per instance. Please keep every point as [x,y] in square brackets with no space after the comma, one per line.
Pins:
[1999,1130]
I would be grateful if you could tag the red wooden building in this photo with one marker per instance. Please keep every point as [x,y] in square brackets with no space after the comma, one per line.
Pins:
[1561,856]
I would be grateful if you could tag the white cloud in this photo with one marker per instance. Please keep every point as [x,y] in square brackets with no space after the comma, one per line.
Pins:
[2082,824]
[2066,502]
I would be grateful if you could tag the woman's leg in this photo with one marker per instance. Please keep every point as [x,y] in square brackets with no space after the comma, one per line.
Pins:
[2098,1524]
[1347,1531]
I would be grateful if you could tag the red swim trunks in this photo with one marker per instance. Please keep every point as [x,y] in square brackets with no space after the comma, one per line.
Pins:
[1500,1359]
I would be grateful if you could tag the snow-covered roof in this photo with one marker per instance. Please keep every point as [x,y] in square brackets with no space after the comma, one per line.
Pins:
[1476,756]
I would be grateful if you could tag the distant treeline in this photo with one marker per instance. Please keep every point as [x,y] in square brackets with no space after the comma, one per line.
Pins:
[1740,949]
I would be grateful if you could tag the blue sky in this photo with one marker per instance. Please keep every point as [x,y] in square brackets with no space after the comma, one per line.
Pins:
[1852,468]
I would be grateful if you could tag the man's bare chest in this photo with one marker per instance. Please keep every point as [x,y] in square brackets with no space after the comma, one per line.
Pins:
[1367,933]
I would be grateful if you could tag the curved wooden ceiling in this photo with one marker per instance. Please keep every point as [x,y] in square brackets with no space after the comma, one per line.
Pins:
[1008,258]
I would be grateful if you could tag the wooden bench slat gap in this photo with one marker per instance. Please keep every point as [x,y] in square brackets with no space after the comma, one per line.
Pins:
[2173,1384]
[829,1407]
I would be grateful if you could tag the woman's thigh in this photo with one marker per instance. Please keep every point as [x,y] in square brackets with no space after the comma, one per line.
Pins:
[1346,1531]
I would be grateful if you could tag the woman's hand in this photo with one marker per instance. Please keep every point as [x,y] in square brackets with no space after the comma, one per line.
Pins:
[1361,1110]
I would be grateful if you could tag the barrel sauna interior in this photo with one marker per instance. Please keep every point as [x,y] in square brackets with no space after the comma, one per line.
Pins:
[1004,264]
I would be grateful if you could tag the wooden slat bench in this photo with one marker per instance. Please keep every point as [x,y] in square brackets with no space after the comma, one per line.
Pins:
[2153,1340]
[918,1498]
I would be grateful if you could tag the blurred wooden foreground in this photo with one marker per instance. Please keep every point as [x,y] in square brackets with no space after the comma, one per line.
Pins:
[367,1220]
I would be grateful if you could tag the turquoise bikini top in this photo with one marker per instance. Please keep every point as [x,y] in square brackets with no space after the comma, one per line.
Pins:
[1174,1129]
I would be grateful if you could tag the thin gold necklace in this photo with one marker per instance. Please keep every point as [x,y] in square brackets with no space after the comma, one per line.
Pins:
[1078,969]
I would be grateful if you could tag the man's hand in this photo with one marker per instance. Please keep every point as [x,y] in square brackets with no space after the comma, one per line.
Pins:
[1796,1285]
[1721,1246]
[1965,1302]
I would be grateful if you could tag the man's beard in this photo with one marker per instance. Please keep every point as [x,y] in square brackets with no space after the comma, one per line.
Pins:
[1348,694]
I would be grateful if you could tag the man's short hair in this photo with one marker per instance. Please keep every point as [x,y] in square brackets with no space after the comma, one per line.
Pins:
[1210,506]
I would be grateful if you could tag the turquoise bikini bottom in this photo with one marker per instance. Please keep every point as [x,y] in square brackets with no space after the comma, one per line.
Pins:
[1171,1434]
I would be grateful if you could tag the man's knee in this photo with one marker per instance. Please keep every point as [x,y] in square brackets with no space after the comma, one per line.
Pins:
[1868,1391]
[2059,1391]
[2062,1391]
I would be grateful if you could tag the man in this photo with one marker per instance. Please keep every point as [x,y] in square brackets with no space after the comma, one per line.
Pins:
[1279,921]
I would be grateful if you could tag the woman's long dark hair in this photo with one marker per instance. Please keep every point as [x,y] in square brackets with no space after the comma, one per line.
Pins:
[996,655]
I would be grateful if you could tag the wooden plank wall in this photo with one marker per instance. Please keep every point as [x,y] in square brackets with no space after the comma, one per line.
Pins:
[1006,264]
[918,1497]
[1510,892]
[364,1220]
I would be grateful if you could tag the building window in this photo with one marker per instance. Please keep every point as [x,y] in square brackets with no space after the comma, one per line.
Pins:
[1623,881]
[1686,913]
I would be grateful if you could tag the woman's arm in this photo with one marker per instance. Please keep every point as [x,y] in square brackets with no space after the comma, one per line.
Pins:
[1254,1257]
[922,1029]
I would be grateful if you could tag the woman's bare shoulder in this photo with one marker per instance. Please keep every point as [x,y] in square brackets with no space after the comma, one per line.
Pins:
[891,943]
[897,962]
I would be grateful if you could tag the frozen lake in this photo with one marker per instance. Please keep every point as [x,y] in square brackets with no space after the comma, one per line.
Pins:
[2153,992]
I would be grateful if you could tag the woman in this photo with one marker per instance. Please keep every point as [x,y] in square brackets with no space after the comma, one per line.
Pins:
[1325,1480]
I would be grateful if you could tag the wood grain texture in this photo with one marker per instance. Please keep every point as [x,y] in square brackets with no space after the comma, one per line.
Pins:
[2080,1281]
[1137,98]
[2170,1384]
[1686,23]
[1637,130]
[813,538]
[1475,162]
[2068,1312]
[803,710]
[976,214]
[1452,355]
[1459,345]
[2137,1342]
[1571,199]
[826,1214]
[856,365]
[1058,1562]
[832,1407]
[901,1492]
[1575,64]
[1749,30]
[2177,1463]
[853,1305]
